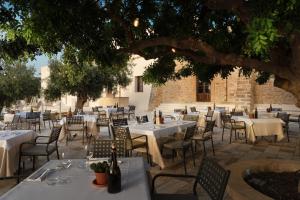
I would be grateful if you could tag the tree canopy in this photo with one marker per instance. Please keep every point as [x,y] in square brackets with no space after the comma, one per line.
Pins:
[81,78]
[211,36]
[17,82]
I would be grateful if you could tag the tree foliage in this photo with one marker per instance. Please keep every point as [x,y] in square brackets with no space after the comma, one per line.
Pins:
[82,78]
[210,36]
[17,82]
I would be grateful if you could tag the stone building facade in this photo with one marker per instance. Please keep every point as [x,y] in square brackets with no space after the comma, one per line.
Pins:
[238,90]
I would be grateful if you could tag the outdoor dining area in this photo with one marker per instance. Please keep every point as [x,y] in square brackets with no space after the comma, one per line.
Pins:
[146,145]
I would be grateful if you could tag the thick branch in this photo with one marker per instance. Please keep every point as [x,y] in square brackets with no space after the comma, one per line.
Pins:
[189,47]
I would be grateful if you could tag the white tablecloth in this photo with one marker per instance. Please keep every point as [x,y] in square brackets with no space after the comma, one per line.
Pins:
[8,117]
[9,149]
[262,127]
[133,175]
[155,132]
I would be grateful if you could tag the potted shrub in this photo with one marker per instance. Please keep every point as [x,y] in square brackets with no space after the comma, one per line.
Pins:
[100,170]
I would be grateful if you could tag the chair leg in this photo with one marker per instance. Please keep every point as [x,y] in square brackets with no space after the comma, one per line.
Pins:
[246,136]
[193,154]
[223,133]
[48,158]
[204,150]
[230,136]
[184,163]
[44,124]
[57,153]
[147,151]
[212,145]
[33,162]
[19,168]
[287,133]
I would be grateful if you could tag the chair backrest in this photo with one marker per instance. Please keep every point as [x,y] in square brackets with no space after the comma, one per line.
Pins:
[75,120]
[95,109]
[144,119]
[209,126]
[237,113]
[120,122]
[283,116]
[131,108]
[193,109]
[102,114]
[33,115]
[178,110]
[225,118]
[191,118]
[210,113]
[120,109]
[54,135]
[276,109]
[213,178]
[189,132]
[47,111]
[16,119]
[102,148]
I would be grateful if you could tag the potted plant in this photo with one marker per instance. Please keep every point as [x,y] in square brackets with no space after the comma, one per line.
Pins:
[100,170]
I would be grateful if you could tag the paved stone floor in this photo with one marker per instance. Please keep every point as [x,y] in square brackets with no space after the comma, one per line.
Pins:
[226,154]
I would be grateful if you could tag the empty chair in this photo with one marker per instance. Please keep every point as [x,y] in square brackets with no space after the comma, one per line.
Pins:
[212,177]
[237,113]
[183,145]
[285,118]
[132,143]
[102,114]
[131,111]
[75,124]
[193,109]
[102,148]
[209,115]
[40,148]
[14,124]
[295,118]
[191,118]
[142,119]
[119,122]
[46,117]
[103,122]
[205,135]
[95,109]
[33,119]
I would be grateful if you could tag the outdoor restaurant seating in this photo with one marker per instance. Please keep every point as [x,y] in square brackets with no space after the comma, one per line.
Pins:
[209,115]
[132,143]
[183,145]
[205,135]
[212,177]
[193,109]
[103,122]
[102,148]
[14,124]
[33,119]
[46,117]
[295,118]
[120,122]
[142,119]
[75,124]
[233,125]
[131,111]
[40,148]
[285,118]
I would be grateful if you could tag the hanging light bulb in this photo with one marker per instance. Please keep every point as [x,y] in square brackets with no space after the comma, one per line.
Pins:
[173,50]
[229,29]
[136,22]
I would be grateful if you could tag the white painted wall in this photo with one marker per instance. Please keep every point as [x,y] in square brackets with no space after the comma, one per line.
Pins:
[139,99]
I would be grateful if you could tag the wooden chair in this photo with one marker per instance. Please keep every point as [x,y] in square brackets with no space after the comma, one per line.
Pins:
[206,135]
[102,148]
[212,177]
[183,145]
[132,143]
[40,148]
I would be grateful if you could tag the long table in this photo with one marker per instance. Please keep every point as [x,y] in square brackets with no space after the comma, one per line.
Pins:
[155,132]
[262,127]
[79,185]
[9,149]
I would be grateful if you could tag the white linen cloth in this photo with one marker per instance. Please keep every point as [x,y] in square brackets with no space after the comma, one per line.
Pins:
[155,132]
[79,187]
[262,127]
[91,123]
[9,149]
[8,117]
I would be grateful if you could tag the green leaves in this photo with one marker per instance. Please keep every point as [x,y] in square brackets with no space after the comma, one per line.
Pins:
[262,35]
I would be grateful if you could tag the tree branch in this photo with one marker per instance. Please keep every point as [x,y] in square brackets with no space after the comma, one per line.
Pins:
[190,46]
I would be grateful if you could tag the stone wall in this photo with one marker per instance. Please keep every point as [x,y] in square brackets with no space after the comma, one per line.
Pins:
[155,97]
[268,94]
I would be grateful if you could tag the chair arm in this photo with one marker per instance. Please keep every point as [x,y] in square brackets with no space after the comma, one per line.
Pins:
[140,136]
[40,137]
[169,175]
[23,143]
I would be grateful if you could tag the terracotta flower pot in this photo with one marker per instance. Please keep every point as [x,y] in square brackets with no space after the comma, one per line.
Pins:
[101,178]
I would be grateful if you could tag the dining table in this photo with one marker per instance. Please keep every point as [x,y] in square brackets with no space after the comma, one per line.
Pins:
[73,180]
[10,141]
[156,132]
[262,127]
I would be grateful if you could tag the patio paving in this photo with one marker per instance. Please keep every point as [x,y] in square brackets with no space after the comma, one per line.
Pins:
[226,154]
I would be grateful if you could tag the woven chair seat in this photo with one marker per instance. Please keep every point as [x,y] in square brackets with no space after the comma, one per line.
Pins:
[135,144]
[174,197]
[205,136]
[179,144]
[39,150]
[237,126]
[75,127]
[294,119]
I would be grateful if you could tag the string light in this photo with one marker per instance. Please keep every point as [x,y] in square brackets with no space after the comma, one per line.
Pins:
[136,22]
[173,50]
[229,29]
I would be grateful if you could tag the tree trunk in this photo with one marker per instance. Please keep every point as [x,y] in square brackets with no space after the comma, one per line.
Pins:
[81,99]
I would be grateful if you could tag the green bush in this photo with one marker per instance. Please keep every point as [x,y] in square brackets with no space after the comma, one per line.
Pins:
[100,167]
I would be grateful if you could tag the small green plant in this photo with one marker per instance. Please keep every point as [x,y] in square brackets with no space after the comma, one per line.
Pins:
[100,167]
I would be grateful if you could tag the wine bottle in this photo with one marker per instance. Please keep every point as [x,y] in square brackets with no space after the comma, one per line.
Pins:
[255,113]
[154,117]
[114,173]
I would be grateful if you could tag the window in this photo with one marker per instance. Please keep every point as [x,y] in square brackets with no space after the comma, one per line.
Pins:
[203,91]
[138,84]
